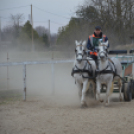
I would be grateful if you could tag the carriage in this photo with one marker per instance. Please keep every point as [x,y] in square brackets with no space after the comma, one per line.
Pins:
[104,73]
[127,62]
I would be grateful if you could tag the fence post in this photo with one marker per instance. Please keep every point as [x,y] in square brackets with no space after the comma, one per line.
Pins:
[24,80]
[53,83]
[7,73]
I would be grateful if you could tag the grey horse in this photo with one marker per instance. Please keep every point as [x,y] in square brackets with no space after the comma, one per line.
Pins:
[108,71]
[82,69]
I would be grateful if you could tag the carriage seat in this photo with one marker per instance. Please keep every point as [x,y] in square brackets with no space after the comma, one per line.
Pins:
[115,52]
[126,62]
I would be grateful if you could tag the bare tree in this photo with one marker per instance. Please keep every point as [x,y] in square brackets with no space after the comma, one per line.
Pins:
[17,19]
[7,33]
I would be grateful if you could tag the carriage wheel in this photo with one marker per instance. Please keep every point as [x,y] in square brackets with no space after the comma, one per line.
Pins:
[133,94]
[123,87]
[133,89]
[127,91]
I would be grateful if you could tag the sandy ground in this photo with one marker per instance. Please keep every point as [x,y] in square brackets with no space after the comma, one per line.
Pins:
[52,115]
[60,114]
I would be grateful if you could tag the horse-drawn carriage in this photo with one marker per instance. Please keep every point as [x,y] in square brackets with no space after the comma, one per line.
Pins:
[127,62]
[108,71]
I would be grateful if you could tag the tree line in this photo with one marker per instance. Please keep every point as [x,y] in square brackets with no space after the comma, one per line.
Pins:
[116,17]
[20,36]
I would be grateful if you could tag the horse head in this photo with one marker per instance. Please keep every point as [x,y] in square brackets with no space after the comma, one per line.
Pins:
[80,50]
[102,50]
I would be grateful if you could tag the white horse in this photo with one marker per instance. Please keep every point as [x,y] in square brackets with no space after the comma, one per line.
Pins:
[83,67]
[108,71]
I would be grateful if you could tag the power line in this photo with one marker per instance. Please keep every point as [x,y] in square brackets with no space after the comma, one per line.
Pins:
[45,21]
[41,21]
[51,21]
[37,8]
[56,22]
[51,13]
[13,8]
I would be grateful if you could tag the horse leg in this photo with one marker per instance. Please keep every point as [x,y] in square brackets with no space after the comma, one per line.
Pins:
[109,86]
[94,88]
[98,85]
[84,90]
[95,91]
[79,86]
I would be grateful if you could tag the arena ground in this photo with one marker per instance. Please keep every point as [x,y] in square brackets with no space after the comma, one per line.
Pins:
[56,115]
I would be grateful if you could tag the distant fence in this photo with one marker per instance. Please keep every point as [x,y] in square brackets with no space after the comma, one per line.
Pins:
[52,62]
[35,63]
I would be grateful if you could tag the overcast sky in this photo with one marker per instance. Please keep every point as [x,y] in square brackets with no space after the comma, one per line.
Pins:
[64,8]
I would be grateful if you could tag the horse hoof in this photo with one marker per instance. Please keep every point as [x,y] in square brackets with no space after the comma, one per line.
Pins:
[101,101]
[84,105]
[106,104]
[121,99]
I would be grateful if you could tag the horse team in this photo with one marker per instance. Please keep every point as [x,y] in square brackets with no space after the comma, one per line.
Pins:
[104,70]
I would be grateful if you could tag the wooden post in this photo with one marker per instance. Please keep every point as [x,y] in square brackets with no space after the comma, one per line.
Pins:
[24,80]
[7,72]
[53,83]
[49,33]
[0,28]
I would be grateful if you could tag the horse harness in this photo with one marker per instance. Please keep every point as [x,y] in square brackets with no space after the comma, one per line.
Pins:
[79,53]
[112,71]
[84,70]
[105,71]
[90,73]
[105,53]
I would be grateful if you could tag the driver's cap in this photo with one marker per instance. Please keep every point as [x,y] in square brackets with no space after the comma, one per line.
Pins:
[97,28]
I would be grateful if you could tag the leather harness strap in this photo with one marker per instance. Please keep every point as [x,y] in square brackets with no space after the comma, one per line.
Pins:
[84,70]
[105,71]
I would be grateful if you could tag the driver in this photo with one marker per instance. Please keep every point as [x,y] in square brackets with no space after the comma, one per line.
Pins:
[93,41]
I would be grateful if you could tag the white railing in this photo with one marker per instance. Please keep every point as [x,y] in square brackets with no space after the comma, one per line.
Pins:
[34,63]
[52,62]
[126,58]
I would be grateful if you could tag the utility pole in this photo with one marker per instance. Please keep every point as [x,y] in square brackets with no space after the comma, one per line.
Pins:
[49,33]
[32,27]
[0,29]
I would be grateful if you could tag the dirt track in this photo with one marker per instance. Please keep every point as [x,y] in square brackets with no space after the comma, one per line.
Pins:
[50,116]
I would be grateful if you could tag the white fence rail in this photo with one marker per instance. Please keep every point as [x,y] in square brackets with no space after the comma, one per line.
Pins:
[35,63]
[52,62]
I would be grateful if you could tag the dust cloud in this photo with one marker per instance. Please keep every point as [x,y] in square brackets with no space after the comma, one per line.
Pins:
[57,89]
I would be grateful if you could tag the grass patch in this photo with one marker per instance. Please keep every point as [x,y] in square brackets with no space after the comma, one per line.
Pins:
[7,96]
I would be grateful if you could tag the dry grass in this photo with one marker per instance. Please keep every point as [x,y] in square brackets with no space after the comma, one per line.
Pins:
[9,96]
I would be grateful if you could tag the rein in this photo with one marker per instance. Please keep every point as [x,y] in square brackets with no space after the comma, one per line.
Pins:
[104,53]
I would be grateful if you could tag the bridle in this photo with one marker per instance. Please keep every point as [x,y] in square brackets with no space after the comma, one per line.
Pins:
[85,69]
[79,53]
[104,52]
